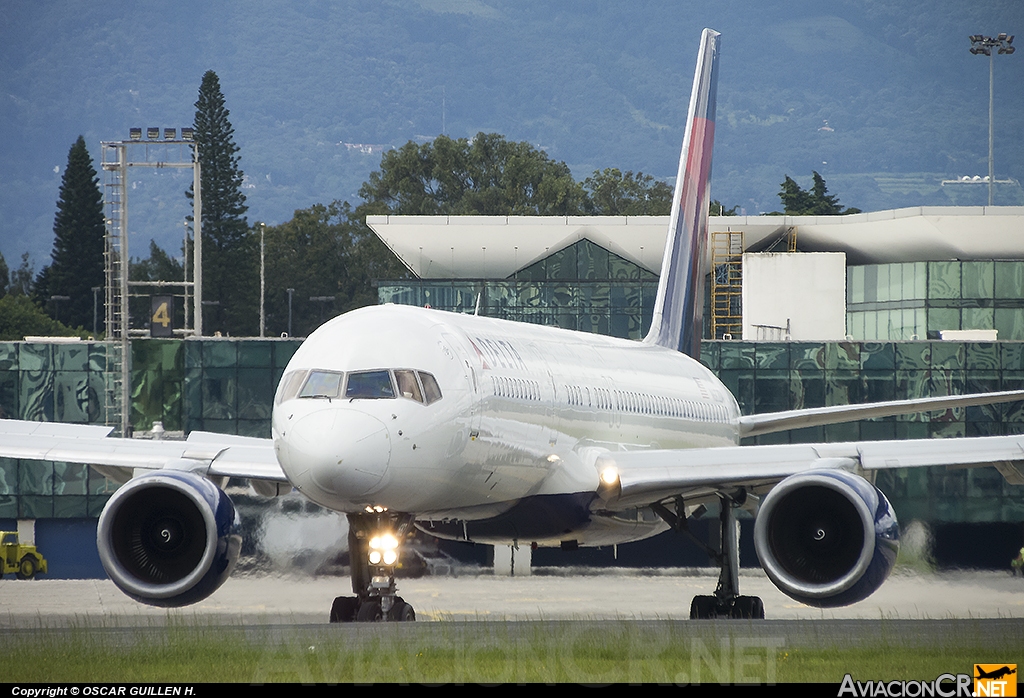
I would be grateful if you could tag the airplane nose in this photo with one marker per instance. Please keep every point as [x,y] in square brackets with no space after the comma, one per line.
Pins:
[346,452]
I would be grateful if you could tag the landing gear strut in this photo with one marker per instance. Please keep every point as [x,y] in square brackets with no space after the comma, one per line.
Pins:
[726,601]
[374,542]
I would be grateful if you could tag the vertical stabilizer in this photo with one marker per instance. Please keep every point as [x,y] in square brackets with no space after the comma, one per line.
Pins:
[679,309]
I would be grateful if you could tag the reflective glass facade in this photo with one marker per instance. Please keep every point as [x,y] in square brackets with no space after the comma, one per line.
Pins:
[224,386]
[229,384]
[581,287]
[916,300]
[51,382]
[767,377]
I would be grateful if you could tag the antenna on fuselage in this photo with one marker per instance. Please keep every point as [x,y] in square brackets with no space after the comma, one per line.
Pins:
[678,320]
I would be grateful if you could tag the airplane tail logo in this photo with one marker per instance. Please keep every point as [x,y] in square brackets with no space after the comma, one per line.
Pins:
[679,309]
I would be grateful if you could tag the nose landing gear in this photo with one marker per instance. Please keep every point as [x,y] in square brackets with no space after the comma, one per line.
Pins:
[374,542]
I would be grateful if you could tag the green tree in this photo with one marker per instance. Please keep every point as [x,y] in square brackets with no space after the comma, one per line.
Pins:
[717,208]
[159,266]
[22,279]
[230,251]
[20,317]
[5,276]
[323,251]
[77,258]
[612,193]
[816,202]
[794,199]
[487,175]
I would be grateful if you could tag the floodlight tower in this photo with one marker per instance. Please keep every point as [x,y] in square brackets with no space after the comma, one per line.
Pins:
[118,158]
[984,45]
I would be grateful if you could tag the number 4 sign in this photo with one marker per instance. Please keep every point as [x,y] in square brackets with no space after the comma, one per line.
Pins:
[160,323]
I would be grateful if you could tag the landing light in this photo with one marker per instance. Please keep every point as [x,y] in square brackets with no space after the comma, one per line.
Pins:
[383,549]
[609,476]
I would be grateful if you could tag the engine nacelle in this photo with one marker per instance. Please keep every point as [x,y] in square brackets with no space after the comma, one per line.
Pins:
[169,538]
[826,537]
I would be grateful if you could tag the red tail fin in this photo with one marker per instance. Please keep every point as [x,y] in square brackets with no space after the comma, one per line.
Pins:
[679,310]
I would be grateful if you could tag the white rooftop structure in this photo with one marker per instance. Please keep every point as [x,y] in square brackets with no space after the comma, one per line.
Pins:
[495,247]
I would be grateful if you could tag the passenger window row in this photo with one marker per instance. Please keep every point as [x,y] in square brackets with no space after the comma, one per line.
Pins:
[643,403]
[516,388]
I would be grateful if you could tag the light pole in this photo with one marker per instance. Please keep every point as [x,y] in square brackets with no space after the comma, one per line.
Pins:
[203,304]
[263,285]
[983,45]
[57,300]
[95,308]
[323,301]
[290,292]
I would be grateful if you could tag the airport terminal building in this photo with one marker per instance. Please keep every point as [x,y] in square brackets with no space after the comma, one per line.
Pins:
[898,275]
[800,312]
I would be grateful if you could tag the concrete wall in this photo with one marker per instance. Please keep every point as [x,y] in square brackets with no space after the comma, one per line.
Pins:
[802,293]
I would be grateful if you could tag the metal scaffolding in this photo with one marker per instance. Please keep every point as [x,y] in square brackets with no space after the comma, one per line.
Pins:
[117,158]
[726,285]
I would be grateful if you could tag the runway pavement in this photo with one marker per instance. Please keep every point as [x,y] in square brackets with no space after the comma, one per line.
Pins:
[592,595]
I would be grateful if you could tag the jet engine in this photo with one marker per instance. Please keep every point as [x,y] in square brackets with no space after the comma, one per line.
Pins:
[169,538]
[826,537]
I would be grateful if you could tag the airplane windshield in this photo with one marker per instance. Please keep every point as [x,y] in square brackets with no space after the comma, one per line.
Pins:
[430,387]
[408,386]
[290,386]
[370,384]
[322,384]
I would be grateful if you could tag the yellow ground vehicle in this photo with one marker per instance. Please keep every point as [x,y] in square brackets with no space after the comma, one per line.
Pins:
[21,560]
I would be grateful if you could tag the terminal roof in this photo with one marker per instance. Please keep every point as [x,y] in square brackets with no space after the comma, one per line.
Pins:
[495,247]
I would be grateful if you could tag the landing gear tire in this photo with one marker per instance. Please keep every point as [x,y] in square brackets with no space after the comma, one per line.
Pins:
[401,611]
[369,612]
[27,568]
[726,601]
[703,607]
[748,607]
[344,609]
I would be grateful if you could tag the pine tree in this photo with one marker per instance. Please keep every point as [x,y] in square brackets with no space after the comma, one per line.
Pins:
[816,202]
[229,253]
[5,276]
[77,257]
[795,201]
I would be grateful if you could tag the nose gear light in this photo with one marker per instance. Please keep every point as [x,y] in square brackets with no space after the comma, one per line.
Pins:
[383,549]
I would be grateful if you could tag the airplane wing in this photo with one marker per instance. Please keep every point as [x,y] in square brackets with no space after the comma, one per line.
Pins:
[757,424]
[646,476]
[209,454]
[650,476]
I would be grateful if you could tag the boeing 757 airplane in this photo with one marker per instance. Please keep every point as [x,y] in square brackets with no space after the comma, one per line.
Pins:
[478,429]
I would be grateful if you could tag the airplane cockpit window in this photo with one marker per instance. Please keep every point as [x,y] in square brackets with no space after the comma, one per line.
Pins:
[370,384]
[290,386]
[322,384]
[430,388]
[408,386]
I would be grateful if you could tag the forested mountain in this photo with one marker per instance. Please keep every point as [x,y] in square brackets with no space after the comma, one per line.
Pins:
[881,97]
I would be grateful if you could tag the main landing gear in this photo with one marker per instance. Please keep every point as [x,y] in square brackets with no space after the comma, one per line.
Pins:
[374,542]
[726,601]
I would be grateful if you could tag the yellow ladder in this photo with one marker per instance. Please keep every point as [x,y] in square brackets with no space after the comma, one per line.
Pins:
[726,284]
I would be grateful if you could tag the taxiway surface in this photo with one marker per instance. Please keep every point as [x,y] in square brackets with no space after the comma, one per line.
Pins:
[590,595]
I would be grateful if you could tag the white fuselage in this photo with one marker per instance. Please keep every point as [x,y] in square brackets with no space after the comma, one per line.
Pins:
[524,412]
